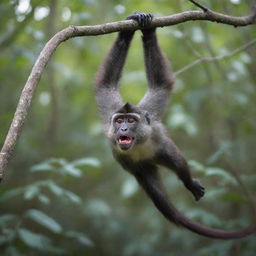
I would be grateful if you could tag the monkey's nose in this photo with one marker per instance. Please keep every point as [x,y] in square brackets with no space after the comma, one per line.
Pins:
[124,129]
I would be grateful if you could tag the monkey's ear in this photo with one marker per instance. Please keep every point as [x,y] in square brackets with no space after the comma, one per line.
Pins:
[147,118]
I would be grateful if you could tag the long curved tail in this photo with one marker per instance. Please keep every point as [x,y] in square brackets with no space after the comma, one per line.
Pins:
[152,185]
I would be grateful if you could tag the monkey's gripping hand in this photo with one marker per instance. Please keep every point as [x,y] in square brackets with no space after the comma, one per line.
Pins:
[143,19]
[197,189]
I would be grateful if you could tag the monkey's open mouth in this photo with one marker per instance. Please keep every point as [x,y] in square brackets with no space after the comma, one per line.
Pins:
[124,140]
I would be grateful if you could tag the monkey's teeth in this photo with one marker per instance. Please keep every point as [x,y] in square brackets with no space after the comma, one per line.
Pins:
[125,140]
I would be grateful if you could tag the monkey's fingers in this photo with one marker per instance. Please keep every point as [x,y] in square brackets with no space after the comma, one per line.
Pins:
[149,18]
[143,19]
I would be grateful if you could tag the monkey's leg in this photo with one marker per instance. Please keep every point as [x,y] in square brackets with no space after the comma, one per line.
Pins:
[170,157]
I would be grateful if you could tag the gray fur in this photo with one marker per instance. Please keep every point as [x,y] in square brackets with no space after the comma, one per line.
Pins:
[151,142]
[137,136]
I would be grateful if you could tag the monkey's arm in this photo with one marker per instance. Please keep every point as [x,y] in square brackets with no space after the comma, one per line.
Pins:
[170,157]
[108,76]
[159,77]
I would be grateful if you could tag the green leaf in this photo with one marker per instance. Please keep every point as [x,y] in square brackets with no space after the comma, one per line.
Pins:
[73,197]
[80,237]
[225,176]
[52,164]
[91,161]
[44,220]
[42,167]
[34,240]
[72,170]
[56,162]
[55,189]
[44,199]
[30,192]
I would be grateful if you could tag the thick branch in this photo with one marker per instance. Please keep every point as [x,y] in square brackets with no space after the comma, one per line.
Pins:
[74,31]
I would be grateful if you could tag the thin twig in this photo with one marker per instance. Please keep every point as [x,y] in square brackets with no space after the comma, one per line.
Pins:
[204,8]
[216,58]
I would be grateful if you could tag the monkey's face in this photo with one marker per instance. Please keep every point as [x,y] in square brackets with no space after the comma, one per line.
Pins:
[126,130]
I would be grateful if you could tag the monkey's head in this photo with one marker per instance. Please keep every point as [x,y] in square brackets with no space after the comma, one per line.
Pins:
[129,127]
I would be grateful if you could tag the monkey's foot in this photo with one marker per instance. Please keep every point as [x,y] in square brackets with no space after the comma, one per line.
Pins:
[143,19]
[197,189]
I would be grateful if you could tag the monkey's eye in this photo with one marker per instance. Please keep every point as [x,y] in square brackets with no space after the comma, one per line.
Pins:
[131,120]
[119,120]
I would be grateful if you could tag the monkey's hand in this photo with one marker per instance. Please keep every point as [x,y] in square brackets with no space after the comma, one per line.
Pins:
[197,189]
[143,19]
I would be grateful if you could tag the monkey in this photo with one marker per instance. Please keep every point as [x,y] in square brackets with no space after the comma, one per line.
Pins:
[138,138]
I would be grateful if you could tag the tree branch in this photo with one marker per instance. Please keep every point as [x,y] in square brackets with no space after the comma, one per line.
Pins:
[75,31]
[216,58]
[204,8]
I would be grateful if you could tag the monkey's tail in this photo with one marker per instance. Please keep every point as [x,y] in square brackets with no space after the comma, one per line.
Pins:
[152,185]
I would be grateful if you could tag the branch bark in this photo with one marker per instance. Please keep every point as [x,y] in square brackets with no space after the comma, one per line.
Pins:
[75,31]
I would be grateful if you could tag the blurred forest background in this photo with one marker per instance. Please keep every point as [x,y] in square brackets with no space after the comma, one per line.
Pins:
[64,194]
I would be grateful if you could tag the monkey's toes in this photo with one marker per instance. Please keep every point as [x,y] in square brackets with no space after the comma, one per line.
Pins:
[198,190]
